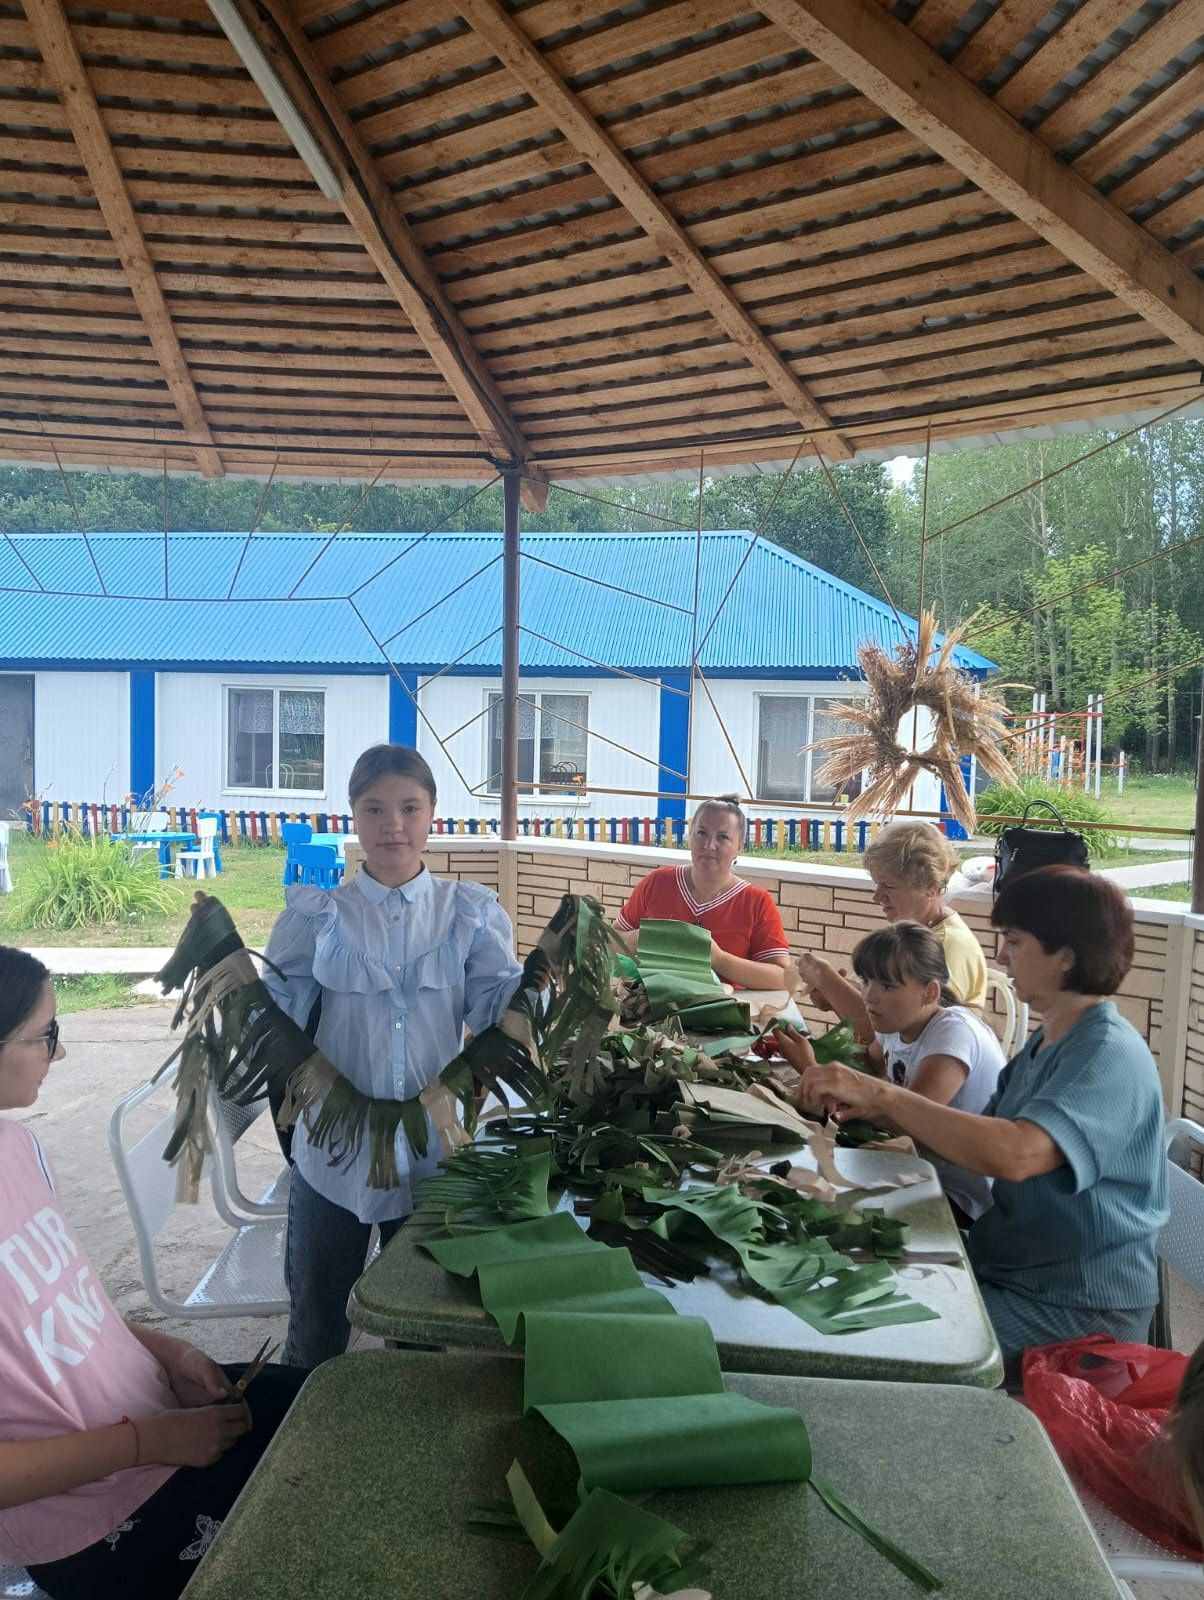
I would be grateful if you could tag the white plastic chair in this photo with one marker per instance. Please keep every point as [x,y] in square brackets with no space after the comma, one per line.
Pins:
[1015,1012]
[201,862]
[16,1584]
[6,887]
[1181,1246]
[247,1278]
[228,1121]
[151,822]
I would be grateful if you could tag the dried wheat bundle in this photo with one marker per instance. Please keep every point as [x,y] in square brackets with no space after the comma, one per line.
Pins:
[967,721]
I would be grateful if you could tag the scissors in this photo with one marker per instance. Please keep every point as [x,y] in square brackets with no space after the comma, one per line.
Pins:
[254,1367]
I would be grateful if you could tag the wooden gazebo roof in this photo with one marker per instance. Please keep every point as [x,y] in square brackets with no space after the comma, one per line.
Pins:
[594,237]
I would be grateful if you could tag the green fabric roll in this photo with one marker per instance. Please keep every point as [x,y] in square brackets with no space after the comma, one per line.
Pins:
[684,1441]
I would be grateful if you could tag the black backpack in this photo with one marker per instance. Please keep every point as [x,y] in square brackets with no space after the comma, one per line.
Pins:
[1020,849]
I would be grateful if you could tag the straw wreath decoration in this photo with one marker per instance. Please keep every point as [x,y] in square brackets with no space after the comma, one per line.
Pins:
[968,720]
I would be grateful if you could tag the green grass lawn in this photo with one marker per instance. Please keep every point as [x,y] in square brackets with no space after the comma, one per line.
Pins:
[249,887]
[1157,800]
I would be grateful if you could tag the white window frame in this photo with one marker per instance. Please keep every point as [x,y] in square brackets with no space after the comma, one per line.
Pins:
[812,696]
[533,791]
[275,690]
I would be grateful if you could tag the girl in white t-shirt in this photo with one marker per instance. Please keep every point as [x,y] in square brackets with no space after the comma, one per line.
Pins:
[121,1448]
[923,1039]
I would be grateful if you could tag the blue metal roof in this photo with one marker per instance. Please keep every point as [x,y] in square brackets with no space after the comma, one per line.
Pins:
[430,600]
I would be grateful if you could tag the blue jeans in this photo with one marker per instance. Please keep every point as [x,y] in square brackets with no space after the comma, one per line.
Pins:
[325,1254]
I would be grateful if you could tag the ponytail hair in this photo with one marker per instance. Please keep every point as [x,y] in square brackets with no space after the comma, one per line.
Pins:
[904,952]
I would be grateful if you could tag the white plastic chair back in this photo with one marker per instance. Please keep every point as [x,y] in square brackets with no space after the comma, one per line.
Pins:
[1015,1012]
[247,1277]
[1181,1242]
[1181,1245]
[203,859]
[228,1121]
[16,1584]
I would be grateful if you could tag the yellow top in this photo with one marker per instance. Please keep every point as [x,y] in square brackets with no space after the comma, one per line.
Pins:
[964,958]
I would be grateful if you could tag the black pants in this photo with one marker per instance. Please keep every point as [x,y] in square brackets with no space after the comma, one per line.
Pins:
[153,1554]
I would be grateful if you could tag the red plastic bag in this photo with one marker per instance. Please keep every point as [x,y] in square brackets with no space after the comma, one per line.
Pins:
[1103,1406]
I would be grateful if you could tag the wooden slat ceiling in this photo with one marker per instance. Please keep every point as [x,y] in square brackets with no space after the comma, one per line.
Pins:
[594,238]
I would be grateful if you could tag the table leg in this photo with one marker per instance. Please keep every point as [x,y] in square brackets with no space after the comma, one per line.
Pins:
[165,860]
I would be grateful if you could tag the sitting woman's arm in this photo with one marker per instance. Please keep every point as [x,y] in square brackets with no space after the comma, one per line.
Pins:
[994,1146]
[33,1469]
[748,974]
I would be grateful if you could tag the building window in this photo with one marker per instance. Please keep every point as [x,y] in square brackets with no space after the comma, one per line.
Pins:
[276,739]
[552,744]
[786,770]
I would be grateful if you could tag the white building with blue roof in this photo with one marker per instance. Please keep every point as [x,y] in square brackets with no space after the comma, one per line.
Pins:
[262,666]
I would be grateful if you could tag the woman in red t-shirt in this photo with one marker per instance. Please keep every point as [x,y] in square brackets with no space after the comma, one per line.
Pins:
[748,942]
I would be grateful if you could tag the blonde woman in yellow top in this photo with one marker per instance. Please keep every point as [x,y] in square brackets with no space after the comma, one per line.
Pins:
[910,864]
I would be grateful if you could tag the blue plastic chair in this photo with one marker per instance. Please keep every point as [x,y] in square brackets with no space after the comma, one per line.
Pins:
[318,864]
[293,834]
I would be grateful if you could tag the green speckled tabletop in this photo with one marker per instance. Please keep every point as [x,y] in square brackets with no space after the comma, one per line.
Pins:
[406,1295]
[365,1491]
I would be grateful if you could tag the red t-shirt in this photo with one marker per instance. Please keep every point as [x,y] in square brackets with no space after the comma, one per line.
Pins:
[743,920]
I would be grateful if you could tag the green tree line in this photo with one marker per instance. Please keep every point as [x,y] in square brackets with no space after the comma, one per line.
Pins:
[1087,583]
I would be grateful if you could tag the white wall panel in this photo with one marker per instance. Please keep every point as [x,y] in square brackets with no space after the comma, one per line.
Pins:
[81,743]
[714,768]
[191,733]
[619,709]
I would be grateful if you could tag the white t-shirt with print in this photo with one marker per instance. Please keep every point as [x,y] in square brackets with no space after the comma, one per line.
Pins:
[958,1032]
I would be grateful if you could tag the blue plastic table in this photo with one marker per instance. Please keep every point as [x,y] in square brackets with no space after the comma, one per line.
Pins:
[163,840]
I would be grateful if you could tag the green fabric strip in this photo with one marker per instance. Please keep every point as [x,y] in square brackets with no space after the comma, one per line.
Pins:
[618,1357]
[682,1441]
[595,1279]
[517,1242]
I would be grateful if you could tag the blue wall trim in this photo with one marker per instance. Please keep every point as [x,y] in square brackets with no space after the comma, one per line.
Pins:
[673,748]
[142,733]
[403,713]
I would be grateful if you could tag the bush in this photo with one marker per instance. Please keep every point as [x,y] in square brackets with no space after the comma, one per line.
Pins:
[1007,800]
[81,881]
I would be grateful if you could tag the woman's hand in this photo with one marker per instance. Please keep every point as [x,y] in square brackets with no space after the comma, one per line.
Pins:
[195,1378]
[841,1092]
[192,1438]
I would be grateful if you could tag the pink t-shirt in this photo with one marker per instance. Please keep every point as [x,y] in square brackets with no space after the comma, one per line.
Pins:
[67,1361]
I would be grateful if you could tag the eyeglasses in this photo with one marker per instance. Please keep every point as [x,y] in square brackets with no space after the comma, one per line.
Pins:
[50,1039]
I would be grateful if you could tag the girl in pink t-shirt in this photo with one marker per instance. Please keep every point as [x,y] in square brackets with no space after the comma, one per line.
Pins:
[120,1448]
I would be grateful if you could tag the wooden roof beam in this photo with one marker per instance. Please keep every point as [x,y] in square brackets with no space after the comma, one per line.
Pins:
[69,77]
[925,94]
[516,51]
[382,229]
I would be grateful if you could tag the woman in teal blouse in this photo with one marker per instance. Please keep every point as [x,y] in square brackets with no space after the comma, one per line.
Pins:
[1073,1136]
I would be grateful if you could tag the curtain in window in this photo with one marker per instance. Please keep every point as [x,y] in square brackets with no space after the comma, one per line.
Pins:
[781,763]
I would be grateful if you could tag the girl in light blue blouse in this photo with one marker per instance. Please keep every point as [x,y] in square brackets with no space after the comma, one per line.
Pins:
[402,962]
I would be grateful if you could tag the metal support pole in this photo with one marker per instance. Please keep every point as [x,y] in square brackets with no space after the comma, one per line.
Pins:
[511,486]
[1197,853]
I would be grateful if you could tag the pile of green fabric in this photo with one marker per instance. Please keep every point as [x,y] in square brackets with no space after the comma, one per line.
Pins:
[641,1404]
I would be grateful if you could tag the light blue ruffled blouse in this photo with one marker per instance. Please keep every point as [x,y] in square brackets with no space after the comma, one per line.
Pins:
[401,972]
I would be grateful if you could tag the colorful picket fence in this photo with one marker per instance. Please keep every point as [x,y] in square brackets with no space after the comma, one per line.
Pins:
[263,827]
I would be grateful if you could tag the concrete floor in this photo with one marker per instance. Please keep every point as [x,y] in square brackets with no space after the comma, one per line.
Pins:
[111,1052]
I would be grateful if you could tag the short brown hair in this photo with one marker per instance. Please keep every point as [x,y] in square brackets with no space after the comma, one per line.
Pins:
[916,853]
[724,802]
[1067,907]
[379,759]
